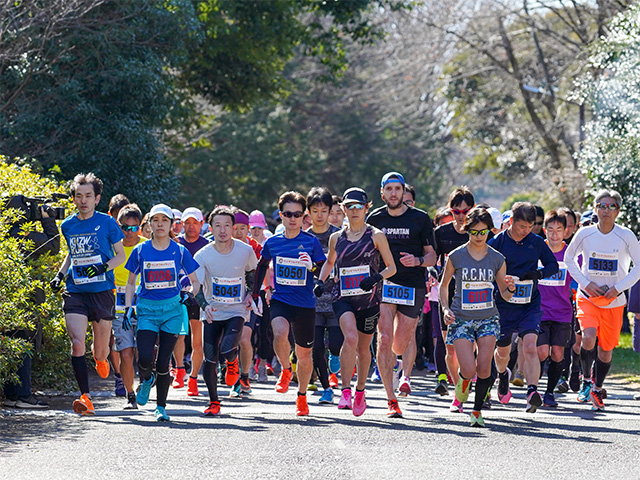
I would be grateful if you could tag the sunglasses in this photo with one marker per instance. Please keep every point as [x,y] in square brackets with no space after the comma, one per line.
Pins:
[482,232]
[607,206]
[538,223]
[292,214]
[130,228]
[460,212]
[355,206]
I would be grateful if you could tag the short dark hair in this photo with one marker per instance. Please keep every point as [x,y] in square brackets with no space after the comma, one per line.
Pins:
[411,189]
[292,197]
[567,212]
[117,202]
[477,215]
[85,179]
[555,216]
[523,211]
[461,194]
[440,214]
[131,210]
[222,210]
[336,200]
[319,195]
[539,211]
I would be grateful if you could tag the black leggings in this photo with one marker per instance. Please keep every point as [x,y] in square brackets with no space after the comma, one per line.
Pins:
[220,338]
[264,342]
[319,359]
[146,354]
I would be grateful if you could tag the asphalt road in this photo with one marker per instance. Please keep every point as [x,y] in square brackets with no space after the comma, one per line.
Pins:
[259,436]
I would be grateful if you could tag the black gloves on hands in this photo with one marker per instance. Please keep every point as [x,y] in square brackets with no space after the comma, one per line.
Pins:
[368,283]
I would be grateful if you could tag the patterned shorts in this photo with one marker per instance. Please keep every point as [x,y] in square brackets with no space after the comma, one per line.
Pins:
[473,329]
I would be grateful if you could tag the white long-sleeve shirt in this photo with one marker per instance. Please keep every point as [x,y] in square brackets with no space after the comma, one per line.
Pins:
[605,260]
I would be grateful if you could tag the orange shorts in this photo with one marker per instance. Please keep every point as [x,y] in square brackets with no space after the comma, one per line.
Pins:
[606,321]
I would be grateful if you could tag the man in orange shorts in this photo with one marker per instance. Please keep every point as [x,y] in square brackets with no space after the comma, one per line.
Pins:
[607,251]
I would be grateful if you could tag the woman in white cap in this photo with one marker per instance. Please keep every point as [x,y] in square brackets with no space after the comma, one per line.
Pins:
[160,310]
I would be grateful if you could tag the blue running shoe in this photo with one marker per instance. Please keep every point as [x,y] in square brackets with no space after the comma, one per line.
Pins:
[327,396]
[161,415]
[584,395]
[145,388]
[120,390]
[375,376]
[334,364]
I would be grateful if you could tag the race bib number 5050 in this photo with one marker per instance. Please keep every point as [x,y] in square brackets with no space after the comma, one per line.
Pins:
[290,271]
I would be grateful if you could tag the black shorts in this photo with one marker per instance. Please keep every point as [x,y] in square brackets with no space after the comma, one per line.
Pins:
[193,312]
[366,320]
[95,306]
[302,321]
[554,333]
[415,310]
[252,321]
[326,319]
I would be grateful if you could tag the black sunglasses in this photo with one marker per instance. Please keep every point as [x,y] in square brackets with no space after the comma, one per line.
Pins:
[292,214]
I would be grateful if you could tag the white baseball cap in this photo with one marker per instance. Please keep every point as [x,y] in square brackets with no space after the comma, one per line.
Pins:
[496,216]
[163,209]
[177,214]
[192,212]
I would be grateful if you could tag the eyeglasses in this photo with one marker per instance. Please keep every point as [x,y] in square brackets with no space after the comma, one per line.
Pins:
[482,232]
[460,212]
[292,214]
[607,206]
[538,223]
[354,206]
[130,228]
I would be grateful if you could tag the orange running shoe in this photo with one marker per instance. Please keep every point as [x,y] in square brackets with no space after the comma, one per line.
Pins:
[233,372]
[84,405]
[282,385]
[302,408]
[333,380]
[394,409]
[178,380]
[213,409]
[102,368]
[192,387]
[245,386]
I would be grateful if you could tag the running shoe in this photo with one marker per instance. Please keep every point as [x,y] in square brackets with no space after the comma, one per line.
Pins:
[131,404]
[476,419]
[563,386]
[462,389]
[120,391]
[442,389]
[253,374]
[456,406]
[302,408]
[84,405]
[345,399]
[145,388]
[245,386]
[549,400]
[487,402]
[192,387]
[31,402]
[404,390]
[102,367]
[161,414]
[518,379]
[282,385]
[359,403]
[268,369]
[397,373]
[596,400]
[394,409]
[333,380]
[504,393]
[213,409]
[178,379]
[574,381]
[534,400]
[235,391]
[262,374]
[327,396]
[334,363]
[233,372]
[585,392]
[375,375]
[312,387]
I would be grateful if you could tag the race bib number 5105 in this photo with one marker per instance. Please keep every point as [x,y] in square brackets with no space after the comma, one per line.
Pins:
[397,294]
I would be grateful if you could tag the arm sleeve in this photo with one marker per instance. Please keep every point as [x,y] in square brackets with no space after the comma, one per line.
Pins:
[261,271]
[571,260]
[633,250]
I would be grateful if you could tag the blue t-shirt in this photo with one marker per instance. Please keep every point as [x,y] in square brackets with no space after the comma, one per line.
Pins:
[293,282]
[159,269]
[90,242]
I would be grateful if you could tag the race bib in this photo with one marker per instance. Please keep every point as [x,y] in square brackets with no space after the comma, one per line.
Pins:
[557,280]
[603,264]
[524,290]
[79,270]
[397,294]
[120,299]
[228,290]
[477,295]
[350,278]
[291,271]
[159,275]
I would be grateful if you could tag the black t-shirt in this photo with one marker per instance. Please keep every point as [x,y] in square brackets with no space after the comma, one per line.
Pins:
[409,233]
[447,240]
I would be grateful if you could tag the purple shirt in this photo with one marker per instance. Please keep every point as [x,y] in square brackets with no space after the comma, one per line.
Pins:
[555,293]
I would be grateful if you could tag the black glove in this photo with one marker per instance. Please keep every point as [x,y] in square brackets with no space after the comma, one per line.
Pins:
[96,270]
[56,283]
[130,318]
[368,283]
[532,275]
[186,298]
[318,290]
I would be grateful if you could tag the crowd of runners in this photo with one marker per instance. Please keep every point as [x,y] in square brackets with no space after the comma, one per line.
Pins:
[344,296]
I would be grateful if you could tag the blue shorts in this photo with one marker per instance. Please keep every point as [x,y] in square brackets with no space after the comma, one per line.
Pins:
[473,329]
[168,315]
[518,320]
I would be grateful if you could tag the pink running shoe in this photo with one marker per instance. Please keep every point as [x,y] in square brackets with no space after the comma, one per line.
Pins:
[456,406]
[345,399]
[359,403]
